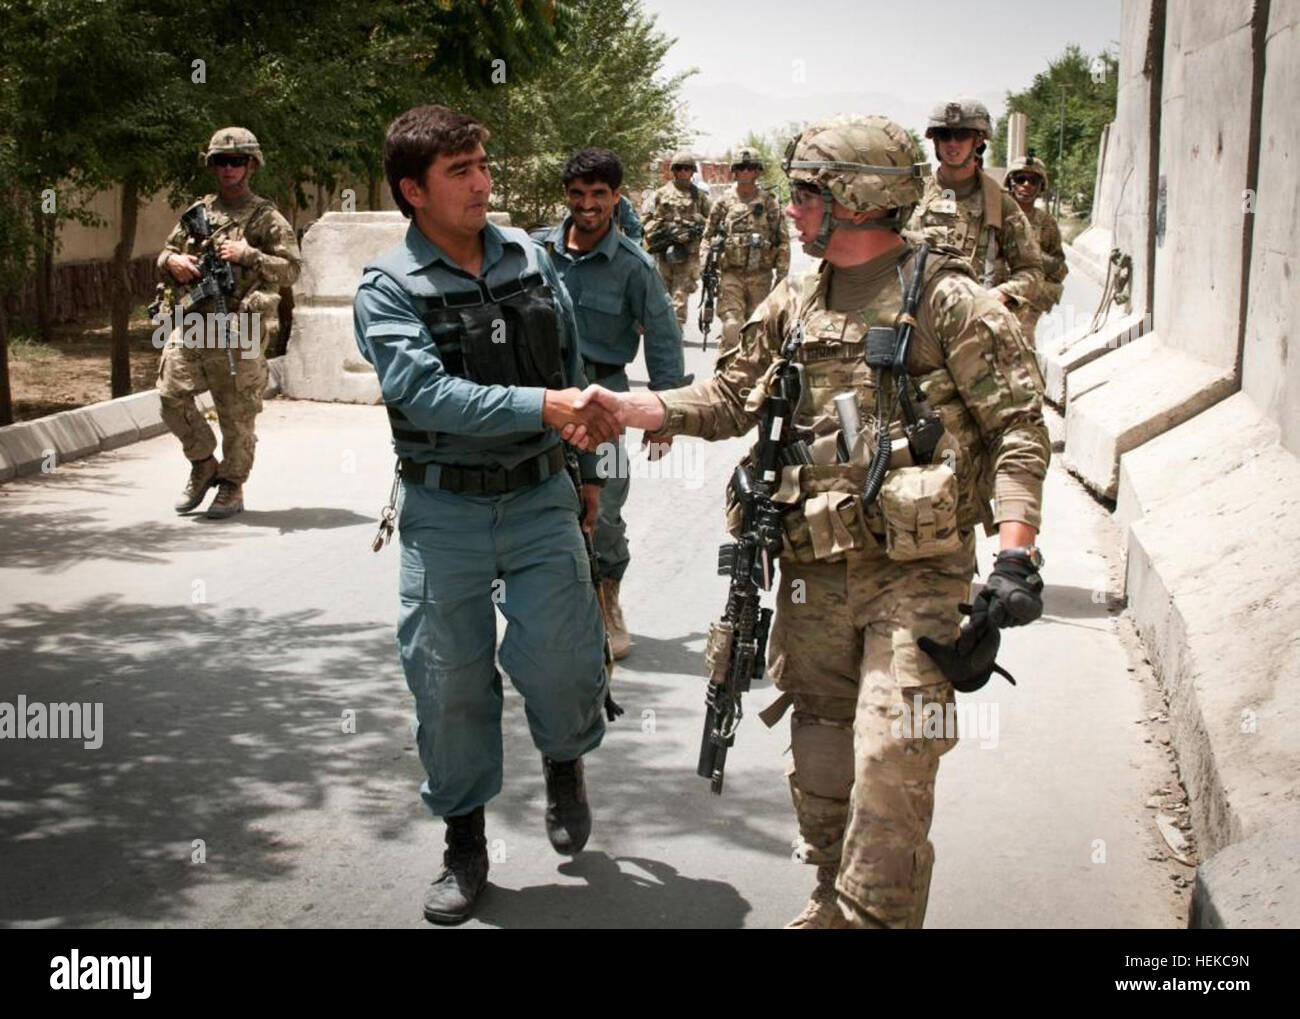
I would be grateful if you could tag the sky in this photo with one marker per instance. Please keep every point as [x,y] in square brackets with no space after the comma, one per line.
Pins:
[763,64]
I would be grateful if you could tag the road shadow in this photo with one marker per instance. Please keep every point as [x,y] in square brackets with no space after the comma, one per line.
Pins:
[616,897]
[214,723]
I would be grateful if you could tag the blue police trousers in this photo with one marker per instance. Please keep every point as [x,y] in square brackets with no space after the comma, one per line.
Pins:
[610,538]
[462,557]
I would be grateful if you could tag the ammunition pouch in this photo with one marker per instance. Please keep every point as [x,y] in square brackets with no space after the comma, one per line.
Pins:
[826,519]
[919,506]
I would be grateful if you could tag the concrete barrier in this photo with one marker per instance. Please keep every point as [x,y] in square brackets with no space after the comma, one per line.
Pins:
[1210,583]
[112,423]
[1117,402]
[321,361]
[1058,358]
[1269,374]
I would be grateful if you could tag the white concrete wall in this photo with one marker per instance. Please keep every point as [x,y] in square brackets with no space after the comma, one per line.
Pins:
[1204,143]
[1270,376]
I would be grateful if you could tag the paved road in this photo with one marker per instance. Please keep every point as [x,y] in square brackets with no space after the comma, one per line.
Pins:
[226,656]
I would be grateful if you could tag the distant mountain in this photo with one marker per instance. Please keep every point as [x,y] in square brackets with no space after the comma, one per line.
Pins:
[722,114]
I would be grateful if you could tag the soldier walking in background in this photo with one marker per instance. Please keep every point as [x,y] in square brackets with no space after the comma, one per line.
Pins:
[672,227]
[1026,180]
[249,233]
[964,209]
[747,220]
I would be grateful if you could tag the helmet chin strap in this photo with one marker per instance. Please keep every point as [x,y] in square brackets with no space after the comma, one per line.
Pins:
[816,248]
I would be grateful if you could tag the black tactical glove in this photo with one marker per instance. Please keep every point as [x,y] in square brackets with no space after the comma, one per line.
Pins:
[1013,594]
[971,659]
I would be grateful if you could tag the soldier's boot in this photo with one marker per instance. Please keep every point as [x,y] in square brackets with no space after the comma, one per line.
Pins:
[568,817]
[619,640]
[450,898]
[203,475]
[822,911]
[229,501]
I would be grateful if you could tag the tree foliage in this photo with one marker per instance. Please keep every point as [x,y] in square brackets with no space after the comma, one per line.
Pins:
[605,87]
[1066,142]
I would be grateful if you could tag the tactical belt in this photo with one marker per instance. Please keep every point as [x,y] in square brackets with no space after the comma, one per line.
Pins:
[597,370]
[488,480]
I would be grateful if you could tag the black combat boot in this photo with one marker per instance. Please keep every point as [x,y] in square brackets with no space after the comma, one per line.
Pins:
[568,818]
[203,475]
[450,899]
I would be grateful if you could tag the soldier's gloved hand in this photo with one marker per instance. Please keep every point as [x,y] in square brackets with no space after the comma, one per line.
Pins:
[1013,594]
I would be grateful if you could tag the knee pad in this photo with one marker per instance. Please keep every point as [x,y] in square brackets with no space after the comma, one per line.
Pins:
[822,749]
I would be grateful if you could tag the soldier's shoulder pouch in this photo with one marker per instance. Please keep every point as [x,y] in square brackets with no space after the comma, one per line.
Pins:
[919,506]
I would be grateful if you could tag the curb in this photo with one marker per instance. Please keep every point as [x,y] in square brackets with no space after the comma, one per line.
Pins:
[37,447]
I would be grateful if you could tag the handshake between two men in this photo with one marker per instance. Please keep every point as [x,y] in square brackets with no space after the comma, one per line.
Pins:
[588,417]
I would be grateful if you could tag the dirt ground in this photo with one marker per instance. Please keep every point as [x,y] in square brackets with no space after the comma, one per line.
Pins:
[74,370]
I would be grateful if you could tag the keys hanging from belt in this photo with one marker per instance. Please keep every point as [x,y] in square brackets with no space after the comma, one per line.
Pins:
[387,515]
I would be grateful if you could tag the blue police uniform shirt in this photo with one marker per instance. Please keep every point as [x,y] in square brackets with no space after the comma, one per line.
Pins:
[473,424]
[615,287]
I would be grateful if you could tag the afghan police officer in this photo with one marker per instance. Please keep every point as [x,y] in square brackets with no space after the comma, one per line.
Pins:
[248,232]
[673,226]
[862,585]
[1026,180]
[616,292]
[964,208]
[746,221]
[472,336]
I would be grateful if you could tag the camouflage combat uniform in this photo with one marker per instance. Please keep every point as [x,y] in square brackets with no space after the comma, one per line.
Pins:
[755,243]
[686,208]
[184,372]
[850,606]
[1048,236]
[984,223]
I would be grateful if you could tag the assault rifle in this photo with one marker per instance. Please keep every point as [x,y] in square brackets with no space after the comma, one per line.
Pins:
[737,649]
[216,275]
[709,295]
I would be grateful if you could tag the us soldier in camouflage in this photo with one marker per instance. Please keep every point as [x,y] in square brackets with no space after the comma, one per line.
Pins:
[1026,180]
[964,208]
[859,585]
[672,228]
[754,243]
[250,233]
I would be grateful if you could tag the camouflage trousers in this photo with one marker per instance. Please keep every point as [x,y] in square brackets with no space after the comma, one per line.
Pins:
[862,776]
[183,373]
[681,280]
[739,293]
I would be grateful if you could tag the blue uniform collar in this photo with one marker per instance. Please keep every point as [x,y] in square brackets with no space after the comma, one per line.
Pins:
[608,245]
[424,254]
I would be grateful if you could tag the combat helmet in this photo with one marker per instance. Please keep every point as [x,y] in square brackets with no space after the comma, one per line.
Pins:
[235,141]
[963,112]
[746,156]
[862,162]
[1027,164]
[682,158]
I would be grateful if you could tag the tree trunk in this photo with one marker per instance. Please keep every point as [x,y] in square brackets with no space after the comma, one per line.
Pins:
[373,200]
[6,401]
[123,298]
[44,273]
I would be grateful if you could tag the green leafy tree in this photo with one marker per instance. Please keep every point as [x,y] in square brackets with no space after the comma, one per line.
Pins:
[1067,106]
[606,87]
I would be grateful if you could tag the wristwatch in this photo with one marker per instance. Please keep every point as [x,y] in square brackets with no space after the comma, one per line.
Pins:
[1030,552]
